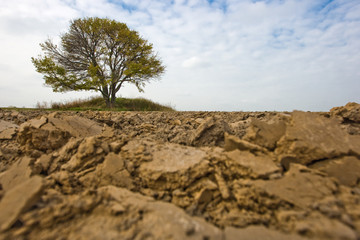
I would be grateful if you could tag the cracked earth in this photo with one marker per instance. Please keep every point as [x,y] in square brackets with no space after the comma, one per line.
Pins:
[180,175]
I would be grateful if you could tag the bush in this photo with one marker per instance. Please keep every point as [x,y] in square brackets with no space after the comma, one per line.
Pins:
[121,104]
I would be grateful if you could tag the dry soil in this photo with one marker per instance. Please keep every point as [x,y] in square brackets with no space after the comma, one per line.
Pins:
[180,175]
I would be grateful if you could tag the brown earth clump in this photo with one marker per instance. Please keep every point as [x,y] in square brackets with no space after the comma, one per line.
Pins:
[180,175]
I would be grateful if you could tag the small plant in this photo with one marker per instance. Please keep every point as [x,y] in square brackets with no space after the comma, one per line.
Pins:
[42,105]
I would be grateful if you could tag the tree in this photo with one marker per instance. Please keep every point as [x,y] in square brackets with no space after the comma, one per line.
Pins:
[98,54]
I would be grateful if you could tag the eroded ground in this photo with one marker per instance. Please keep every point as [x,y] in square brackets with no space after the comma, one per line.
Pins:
[180,175]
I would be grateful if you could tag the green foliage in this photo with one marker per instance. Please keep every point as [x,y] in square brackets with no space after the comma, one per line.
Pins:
[98,54]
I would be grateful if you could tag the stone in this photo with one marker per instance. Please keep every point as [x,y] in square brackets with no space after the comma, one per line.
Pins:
[65,179]
[43,162]
[76,126]
[139,179]
[53,131]
[265,134]
[210,132]
[174,166]
[310,137]
[14,113]
[324,228]
[17,174]
[206,124]
[203,197]
[346,169]
[18,200]
[223,188]
[117,209]
[257,232]
[40,138]
[107,131]
[299,186]
[37,123]
[350,112]
[6,125]
[259,166]
[233,142]
[89,153]
[112,171]
[157,220]
[64,154]
[116,146]
[176,122]
[7,130]
[112,164]
[8,134]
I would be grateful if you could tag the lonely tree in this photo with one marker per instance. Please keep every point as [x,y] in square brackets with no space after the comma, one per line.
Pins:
[98,54]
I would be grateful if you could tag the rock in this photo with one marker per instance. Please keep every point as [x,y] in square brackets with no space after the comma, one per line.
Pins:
[257,232]
[156,220]
[14,113]
[265,134]
[66,180]
[310,137]
[259,166]
[233,142]
[116,146]
[64,154]
[6,125]
[349,113]
[43,163]
[324,228]
[346,169]
[209,132]
[8,134]
[174,166]
[132,175]
[223,188]
[53,131]
[107,131]
[330,206]
[113,172]
[90,152]
[7,130]
[18,200]
[299,186]
[17,174]
[203,197]
[176,122]
[41,139]
[35,123]
[206,124]
[76,126]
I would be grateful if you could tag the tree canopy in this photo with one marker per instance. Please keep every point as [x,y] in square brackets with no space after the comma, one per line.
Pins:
[98,54]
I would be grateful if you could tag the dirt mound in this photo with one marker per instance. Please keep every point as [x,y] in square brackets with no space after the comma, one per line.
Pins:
[180,175]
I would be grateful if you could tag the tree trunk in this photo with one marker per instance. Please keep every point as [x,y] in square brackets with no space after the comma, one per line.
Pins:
[106,96]
[113,99]
[107,100]
[108,103]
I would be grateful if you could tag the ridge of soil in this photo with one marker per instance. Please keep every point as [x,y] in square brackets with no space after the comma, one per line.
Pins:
[180,175]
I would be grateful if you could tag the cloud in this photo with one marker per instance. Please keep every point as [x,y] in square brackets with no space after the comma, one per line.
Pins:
[224,54]
[194,62]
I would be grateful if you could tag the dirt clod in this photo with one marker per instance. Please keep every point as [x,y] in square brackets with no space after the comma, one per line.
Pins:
[180,175]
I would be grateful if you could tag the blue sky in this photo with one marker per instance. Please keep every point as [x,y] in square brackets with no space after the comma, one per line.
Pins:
[223,55]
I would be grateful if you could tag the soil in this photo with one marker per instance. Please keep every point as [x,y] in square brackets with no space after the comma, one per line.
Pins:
[180,175]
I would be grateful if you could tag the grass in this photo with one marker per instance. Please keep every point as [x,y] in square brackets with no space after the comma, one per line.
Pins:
[98,104]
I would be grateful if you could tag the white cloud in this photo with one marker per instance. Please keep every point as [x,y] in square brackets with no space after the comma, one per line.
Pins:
[227,55]
[194,62]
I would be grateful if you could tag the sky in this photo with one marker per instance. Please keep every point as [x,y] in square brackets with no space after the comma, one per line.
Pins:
[220,55]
